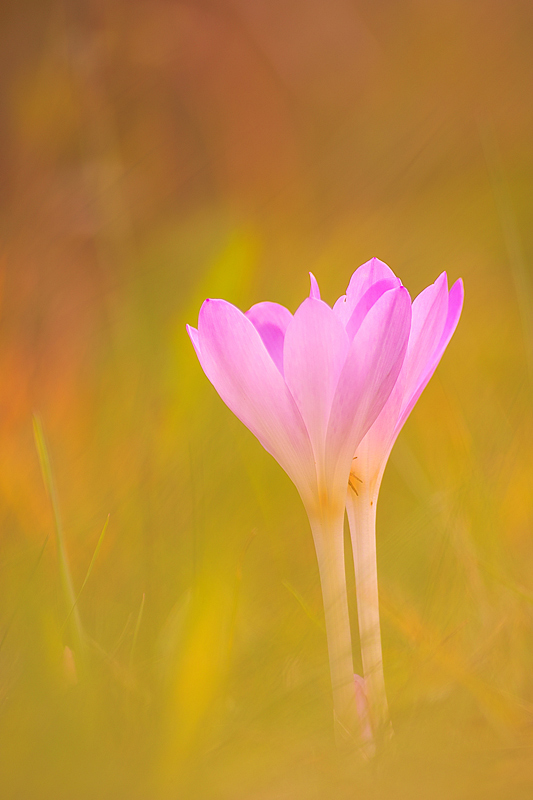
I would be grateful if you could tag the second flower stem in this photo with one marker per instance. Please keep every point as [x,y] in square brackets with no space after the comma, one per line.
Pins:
[361,510]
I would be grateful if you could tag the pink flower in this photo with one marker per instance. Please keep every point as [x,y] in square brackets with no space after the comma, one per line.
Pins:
[317,388]
[435,314]
[308,385]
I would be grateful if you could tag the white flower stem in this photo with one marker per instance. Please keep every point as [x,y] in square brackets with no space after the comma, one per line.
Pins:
[361,508]
[328,534]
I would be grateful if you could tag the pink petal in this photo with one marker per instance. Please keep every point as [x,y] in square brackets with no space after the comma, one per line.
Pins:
[342,309]
[315,349]
[365,276]
[427,322]
[363,279]
[435,317]
[315,291]
[365,304]
[372,366]
[429,316]
[271,320]
[193,334]
[455,305]
[237,363]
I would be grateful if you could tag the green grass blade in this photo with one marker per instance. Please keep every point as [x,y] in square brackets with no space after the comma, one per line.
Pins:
[307,610]
[93,559]
[136,631]
[66,577]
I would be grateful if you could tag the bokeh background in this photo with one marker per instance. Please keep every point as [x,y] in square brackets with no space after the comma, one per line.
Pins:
[154,153]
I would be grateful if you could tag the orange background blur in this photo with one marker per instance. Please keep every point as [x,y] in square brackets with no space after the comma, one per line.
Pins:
[156,153]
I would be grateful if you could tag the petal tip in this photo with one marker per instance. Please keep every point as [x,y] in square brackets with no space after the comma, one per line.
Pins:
[442,279]
[460,286]
[194,336]
[210,302]
[403,292]
[315,291]
[456,295]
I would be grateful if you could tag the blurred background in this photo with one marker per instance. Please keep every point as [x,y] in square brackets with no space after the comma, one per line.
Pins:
[154,153]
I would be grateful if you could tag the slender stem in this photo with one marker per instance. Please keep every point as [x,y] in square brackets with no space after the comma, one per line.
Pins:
[361,510]
[64,566]
[328,534]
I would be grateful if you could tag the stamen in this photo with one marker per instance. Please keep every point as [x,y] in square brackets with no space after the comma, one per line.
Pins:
[351,484]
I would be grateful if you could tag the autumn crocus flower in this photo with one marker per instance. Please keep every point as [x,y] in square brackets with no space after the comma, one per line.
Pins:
[309,386]
[435,314]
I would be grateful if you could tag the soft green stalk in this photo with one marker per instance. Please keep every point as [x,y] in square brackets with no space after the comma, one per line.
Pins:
[64,567]
[93,559]
[328,534]
[136,631]
[361,508]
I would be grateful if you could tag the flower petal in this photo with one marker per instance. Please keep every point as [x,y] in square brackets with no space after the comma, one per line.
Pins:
[237,363]
[371,369]
[271,320]
[435,317]
[362,280]
[315,291]
[429,316]
[315,349]
[365,276]
[342,309]
[455,305]
[193,334]
[365,304]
